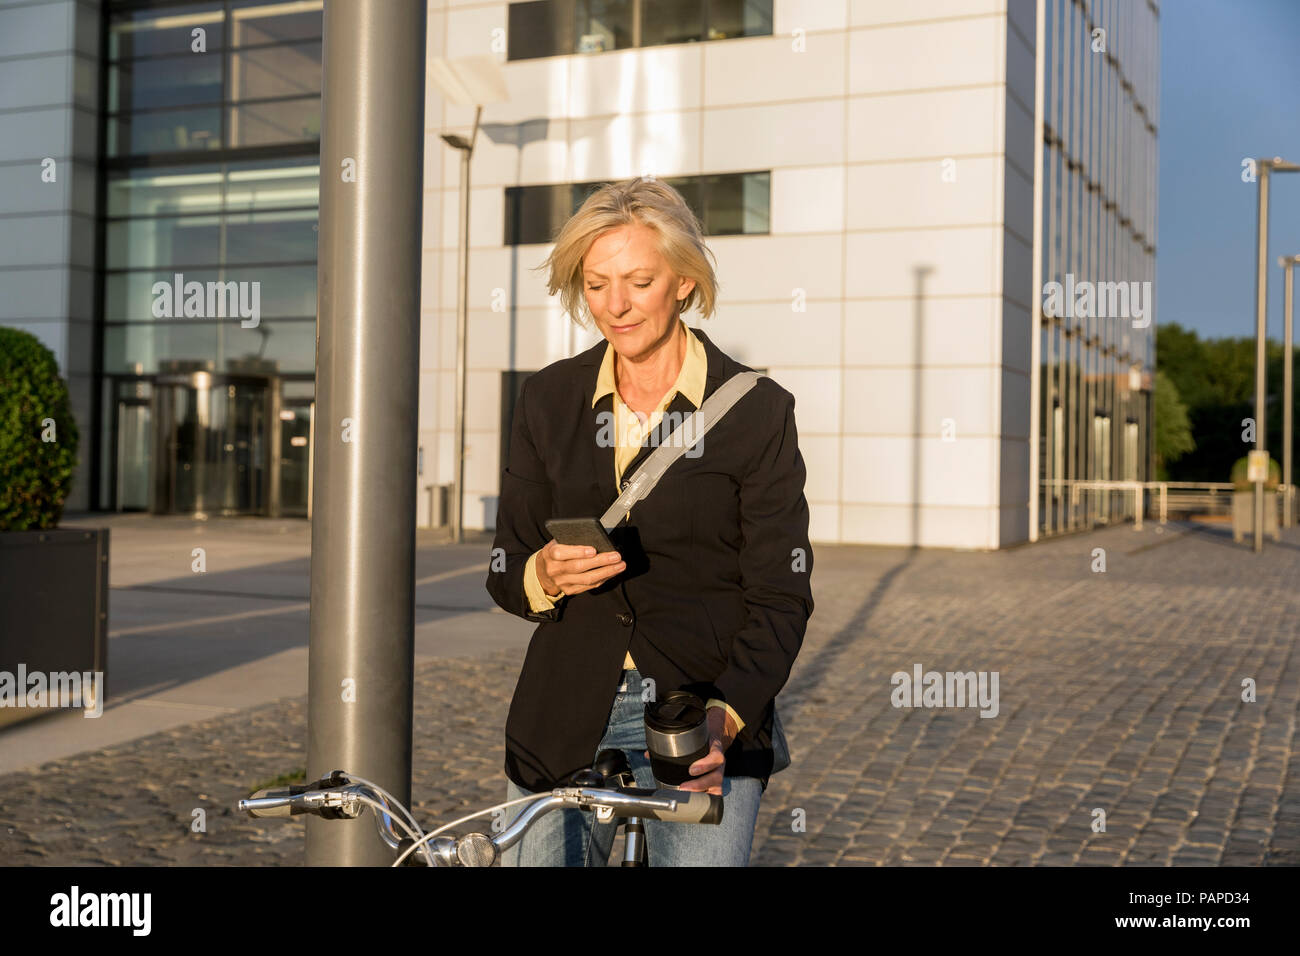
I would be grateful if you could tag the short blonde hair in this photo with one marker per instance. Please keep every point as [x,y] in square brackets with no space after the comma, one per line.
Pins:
[648,202]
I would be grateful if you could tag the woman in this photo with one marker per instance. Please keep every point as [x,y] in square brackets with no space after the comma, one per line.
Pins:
[709,588]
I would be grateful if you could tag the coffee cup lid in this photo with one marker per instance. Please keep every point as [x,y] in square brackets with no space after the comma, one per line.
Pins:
[676,711]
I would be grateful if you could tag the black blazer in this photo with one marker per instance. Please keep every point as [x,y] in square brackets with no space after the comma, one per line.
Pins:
[717,592]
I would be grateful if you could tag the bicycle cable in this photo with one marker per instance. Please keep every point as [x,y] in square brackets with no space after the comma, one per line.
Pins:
[394,803]
[423,841]
[378,807]
[410,817]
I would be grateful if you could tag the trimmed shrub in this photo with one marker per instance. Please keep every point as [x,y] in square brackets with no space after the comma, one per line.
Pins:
[1241,467]
[38,435]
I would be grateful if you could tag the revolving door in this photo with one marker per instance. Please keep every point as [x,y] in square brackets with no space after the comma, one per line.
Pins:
[213,442]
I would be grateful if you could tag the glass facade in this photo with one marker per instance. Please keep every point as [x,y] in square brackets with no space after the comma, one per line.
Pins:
[1099,220]
[199,77]
[244,222]
[209,227]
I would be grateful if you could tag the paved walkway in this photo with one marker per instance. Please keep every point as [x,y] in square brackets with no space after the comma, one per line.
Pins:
[187,645]
[1118,691]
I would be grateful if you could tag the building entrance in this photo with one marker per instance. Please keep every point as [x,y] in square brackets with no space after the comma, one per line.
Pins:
[213,435]
[191,440]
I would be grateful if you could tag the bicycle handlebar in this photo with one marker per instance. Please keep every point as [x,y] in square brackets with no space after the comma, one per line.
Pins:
[337,796]
[299,798]
[674,806]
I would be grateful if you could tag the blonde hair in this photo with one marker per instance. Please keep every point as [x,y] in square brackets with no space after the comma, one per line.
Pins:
[647,202]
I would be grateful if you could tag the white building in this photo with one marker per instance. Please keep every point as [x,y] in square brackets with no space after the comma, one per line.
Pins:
[886,273]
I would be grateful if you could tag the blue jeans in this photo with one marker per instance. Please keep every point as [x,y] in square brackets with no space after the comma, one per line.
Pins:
[574,837]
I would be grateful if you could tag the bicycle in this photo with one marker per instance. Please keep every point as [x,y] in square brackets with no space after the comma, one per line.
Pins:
[341,795]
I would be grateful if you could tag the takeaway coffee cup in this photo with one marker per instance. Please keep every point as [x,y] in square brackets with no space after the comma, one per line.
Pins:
[676,734]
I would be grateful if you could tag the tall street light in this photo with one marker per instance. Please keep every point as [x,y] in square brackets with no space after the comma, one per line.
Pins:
[468,81]
[1263,168]
[1288,264]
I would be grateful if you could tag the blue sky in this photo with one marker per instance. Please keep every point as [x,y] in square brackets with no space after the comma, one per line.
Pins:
[1229,89]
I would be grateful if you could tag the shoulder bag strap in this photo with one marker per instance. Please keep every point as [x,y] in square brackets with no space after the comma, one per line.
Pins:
[692,429]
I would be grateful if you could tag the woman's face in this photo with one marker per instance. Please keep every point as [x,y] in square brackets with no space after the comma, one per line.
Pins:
[632,293]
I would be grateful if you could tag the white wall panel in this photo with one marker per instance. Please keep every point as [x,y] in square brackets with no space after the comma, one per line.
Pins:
[964,52]
[782,134]
[774,69]
[939,123]
[953,331]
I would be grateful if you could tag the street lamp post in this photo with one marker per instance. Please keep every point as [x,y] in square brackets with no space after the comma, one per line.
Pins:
[1263,169]
[1288,264]
[468,81]
[466,147]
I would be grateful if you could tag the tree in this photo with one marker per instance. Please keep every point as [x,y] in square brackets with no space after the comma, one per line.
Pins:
[1173,429]
[1215,378]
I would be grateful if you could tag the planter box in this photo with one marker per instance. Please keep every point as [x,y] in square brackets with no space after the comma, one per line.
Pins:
[1243,514]
[53,621]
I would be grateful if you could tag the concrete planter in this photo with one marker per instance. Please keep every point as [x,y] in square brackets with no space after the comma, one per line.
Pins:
[53,621]
[1243,514]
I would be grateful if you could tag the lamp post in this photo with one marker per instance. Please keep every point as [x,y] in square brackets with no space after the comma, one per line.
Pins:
[467,81]
[1263,169]
[1288,264]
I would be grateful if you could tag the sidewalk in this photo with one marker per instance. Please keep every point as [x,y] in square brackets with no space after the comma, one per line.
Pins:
[1118,691]
[186,646]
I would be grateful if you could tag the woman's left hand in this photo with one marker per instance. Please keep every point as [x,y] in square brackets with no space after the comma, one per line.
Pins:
[706,773]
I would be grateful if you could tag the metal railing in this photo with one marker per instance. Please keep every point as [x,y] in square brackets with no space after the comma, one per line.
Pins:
[1212,497]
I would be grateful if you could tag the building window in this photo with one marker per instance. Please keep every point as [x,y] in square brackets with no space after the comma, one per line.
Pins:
[251,221]
[213,76]
[672,21]
[727,204]
[541,28]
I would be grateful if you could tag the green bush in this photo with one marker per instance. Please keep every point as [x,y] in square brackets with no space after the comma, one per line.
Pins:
[35,471]
[1241,467]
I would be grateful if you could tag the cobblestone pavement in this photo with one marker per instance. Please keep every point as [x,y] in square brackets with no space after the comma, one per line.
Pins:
[1119,691]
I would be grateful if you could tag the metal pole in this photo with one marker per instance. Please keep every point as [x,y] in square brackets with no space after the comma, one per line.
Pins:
[1288,302]
[367,355]
[466,148]
[1261,330]
[1036,272]
[462,312]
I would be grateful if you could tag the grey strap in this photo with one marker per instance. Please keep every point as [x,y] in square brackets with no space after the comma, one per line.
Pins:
[683,438]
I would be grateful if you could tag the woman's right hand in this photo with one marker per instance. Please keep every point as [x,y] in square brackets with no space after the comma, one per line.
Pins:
[575,568]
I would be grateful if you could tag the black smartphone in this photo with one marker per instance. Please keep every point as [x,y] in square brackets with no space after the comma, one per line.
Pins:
[587,532]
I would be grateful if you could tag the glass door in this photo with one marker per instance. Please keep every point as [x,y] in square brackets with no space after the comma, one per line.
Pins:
[295,461]
[134,448]
[179,460]
[211,438]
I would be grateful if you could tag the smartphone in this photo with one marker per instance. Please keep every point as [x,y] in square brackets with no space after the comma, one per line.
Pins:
[586,532]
